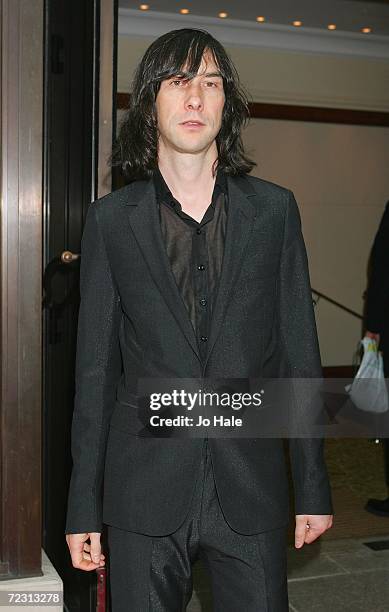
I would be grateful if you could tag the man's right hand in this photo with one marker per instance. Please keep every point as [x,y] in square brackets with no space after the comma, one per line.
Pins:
[85,556]
[372,335]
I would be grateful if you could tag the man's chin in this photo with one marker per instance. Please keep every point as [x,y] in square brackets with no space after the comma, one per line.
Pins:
[193,145]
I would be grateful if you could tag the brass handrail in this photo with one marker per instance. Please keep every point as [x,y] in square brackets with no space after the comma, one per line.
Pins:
[338,304]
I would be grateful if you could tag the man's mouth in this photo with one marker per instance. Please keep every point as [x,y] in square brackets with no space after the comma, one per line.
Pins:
[192,123]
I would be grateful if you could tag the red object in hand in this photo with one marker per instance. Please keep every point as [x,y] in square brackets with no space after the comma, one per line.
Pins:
[101,589]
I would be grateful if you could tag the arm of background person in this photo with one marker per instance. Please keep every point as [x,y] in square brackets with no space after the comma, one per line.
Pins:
[377,296]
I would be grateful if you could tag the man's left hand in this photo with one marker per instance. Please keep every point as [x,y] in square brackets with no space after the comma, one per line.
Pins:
[311,526]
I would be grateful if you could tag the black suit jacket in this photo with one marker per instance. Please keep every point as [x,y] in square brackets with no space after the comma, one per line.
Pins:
[377,303]
[133,323]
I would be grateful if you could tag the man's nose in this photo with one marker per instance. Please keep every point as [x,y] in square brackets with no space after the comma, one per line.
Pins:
[193,99]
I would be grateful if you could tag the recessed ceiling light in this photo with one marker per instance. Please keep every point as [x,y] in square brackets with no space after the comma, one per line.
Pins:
[331,26]
[144,7]
[366,30]
[223,15]
[260,19]
[184,11]
[297,23]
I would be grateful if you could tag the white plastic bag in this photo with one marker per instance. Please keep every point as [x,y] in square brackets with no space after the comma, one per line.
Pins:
[368,390]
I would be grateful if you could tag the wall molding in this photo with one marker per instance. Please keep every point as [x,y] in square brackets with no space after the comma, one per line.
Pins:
[150,24]
[303,99]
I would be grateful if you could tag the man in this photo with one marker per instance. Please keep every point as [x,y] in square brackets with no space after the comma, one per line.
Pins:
[193,270]
[377,327]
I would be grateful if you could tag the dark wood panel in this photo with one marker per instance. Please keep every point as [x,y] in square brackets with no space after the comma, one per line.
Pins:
[344,371]
[259,110]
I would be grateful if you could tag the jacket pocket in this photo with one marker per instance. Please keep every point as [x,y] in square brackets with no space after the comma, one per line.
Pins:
[126,418]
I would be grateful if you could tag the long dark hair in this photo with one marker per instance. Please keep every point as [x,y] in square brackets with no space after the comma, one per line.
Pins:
[135,148]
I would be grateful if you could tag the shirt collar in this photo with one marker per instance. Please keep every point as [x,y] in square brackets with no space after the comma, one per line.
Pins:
[164,194]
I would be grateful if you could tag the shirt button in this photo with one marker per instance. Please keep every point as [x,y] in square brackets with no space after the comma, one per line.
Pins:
[203,338]
[201,267]
[203,302]
[198,231]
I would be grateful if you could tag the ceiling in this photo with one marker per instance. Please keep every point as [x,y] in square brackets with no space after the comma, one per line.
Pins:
[348,15]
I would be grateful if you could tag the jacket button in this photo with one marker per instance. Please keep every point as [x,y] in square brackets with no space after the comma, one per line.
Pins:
[203,302]
[204,338]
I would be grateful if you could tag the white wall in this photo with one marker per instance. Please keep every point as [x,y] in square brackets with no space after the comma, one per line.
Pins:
[339,175]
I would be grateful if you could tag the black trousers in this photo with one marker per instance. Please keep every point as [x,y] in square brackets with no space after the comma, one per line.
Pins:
[154,573]
[386,440]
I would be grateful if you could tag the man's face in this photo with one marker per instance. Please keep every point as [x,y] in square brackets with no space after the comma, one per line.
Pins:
[200,100]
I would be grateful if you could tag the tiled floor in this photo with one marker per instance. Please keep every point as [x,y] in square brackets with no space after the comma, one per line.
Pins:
[325,576]
[339,575]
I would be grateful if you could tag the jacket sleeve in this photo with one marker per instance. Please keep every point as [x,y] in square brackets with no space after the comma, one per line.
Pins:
[98,370]
[377,303]
[300,347]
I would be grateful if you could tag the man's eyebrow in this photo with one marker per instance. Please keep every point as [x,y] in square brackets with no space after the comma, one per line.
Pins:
[182,75]
[212,74]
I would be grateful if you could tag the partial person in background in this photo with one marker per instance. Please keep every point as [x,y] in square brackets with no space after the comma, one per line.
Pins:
[377,326]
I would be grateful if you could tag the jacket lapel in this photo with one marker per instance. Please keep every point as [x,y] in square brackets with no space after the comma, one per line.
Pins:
[240,221]
[143,217]
[145,224]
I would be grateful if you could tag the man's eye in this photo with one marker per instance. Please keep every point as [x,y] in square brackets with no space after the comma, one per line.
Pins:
[177,81]
[212,83]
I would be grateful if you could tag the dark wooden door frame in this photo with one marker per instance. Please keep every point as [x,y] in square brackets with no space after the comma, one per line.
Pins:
[21,287]
[22,261]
